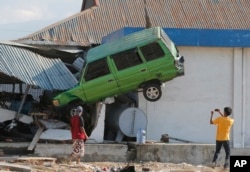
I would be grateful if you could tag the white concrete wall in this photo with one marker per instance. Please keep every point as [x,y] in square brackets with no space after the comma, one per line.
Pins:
[214,78]
[247,98]
[242,128]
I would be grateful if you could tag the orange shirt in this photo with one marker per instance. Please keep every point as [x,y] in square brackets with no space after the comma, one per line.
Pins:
[224,125]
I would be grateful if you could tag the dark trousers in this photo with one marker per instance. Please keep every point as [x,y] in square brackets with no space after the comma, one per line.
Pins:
[226,145]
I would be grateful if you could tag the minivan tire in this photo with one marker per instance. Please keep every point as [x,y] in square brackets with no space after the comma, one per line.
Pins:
[152,92]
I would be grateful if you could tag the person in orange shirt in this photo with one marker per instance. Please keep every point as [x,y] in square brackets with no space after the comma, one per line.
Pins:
[224,124]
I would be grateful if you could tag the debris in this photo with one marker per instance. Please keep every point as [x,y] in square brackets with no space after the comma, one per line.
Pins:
[165,138]
[53,124]
[37,160]
[15,130]
[8,158]
[128,169]
[14,167]
[7,114]
[56,134]
[1,152]
[144,169]
[36,138]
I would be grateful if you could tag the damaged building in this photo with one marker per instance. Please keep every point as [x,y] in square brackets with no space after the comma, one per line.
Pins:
[213,39]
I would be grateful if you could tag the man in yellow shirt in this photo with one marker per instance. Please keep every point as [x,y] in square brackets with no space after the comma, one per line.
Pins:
[224,124]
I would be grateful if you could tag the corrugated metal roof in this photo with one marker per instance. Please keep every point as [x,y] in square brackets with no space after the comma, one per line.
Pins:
[89,26]
[20,64]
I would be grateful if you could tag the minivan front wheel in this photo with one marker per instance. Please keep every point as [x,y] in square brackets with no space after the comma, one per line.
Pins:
[152,92]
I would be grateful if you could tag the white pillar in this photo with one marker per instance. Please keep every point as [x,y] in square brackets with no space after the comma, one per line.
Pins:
[238,99]
[97,135]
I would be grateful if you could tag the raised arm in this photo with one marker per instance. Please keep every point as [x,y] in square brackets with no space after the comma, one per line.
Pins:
[218,110]
[211,117]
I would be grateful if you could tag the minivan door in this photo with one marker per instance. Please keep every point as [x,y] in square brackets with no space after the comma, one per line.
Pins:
[99,81]
[131,71]
[160,61]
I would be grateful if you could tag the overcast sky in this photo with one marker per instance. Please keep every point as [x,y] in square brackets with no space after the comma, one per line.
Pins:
[19,18]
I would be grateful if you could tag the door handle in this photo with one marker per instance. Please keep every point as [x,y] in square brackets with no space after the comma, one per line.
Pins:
[110,80]
[143,70]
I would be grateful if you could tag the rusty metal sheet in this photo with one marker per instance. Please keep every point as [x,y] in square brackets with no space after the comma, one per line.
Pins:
[89,26]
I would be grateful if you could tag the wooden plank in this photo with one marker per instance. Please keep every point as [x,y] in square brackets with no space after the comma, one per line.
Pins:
[15,167]
[36,159]
[36,138]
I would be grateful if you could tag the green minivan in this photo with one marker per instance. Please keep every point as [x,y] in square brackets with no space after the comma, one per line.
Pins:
[141,61]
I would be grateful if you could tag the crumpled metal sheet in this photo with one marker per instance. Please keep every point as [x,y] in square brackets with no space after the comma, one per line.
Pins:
[18,64]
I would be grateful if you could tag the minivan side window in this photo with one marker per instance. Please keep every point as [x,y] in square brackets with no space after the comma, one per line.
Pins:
[96,69]
[152,51]
[126,59]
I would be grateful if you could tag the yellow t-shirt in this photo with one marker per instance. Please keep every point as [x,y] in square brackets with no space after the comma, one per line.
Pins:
[224,125]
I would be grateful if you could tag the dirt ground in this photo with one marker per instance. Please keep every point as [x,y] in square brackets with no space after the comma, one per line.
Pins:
[48,166]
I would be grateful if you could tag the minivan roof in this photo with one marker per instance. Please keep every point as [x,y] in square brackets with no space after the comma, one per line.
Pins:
[125,43]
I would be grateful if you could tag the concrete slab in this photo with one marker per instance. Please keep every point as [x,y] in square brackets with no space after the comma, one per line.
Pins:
[196,154]
[16,149]
[93,152]
[175,153]
[56,134]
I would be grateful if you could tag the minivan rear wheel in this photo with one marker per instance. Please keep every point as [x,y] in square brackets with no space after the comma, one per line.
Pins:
[152,92]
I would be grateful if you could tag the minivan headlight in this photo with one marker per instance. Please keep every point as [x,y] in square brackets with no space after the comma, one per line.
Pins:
[55,102]
[179,62]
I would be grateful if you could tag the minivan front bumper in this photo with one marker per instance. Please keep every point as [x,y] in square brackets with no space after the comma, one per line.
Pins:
[179,64]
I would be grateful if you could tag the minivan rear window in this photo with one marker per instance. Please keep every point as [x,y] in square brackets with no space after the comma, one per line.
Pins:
[97,69]
[152,51]
[126,59]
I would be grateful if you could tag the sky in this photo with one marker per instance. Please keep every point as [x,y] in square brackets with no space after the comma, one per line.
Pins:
[19,18]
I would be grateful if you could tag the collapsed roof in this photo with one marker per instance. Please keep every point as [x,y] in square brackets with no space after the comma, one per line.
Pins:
[18,64]
[99,18]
